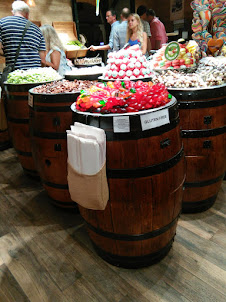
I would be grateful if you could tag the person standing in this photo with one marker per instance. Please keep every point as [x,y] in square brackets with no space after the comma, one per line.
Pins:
[121,30]
[55,56]
[158,31]
[112,20]
[32,51]
[141,11]
[135,33]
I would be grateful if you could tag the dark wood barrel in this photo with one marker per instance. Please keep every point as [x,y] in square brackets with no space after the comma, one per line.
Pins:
[145,171]
[4,133]
[203,119]
[50,117]
[18,122]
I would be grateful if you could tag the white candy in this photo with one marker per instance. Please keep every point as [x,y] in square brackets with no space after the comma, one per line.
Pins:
[138,64]
[123,67]
[117,62]
[113,66]
[132,77]
[133,60]
[129,73]
[126,78]
[125,61]
[131,65]
[144,71]
[121,73]
[136,71]
[109,73]
[114,74]
[145,64]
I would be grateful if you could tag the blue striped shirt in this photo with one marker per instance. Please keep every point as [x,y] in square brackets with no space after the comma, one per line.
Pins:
[11,30]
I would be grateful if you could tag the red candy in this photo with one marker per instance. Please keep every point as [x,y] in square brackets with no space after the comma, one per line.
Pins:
[122,97]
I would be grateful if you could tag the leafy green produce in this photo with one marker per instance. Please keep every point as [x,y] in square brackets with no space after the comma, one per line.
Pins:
[76,42]
[33,75]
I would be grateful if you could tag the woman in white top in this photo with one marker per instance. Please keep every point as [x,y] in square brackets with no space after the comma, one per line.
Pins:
[55,56]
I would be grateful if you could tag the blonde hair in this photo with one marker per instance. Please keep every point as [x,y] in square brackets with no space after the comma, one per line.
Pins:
[51,37]
[139,30]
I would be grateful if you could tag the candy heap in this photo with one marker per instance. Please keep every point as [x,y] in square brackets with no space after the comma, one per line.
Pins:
[209,16]
[63,86]
[127,64]
[122,97]
[186,58]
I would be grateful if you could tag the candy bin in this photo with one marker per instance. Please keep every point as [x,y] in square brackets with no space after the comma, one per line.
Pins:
[145,170]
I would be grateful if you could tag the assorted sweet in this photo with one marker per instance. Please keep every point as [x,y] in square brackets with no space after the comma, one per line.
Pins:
[88,61]
[127,64]
[64,86]
[186,59]
[209,25]
[210,72]
[177,79]
[122,97]
[33,75]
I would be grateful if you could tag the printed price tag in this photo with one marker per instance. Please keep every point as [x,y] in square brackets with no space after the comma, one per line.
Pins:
[30,100]
[121,124]
[154,119]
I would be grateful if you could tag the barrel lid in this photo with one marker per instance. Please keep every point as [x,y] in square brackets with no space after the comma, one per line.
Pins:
[168,105]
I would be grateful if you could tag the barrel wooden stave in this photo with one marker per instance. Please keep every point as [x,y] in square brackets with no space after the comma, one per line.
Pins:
[203,120]
[134,230]
[50,117]
[18,122]
[4,140]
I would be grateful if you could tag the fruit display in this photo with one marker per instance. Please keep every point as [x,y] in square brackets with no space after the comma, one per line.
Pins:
[209,25]
[63,86]
[33,75]
[127,64]
[185,56]
[122,97]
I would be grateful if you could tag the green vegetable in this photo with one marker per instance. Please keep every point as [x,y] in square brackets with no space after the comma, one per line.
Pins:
[133,90]
[123,85]
[77,42]
[169,96]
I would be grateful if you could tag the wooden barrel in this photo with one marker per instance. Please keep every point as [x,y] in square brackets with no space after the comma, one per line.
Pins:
[50,117]
[4,133]
[18,122]
[203,119]
[145,171]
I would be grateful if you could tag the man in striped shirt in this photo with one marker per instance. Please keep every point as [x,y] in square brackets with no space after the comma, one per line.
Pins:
[32,51]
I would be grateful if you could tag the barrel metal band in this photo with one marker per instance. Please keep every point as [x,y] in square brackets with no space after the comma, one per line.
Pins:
[54,185]
[201,104]
[203,183]
[192,205]
[18,120]
[203,133]
[50,135]
[23,153]
[146,171]
[65,108]
[134,237]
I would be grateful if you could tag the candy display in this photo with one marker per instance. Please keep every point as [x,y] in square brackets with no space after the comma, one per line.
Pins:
[33,75]
[186,57]
[127,64]
[210,72]
[63,86]
[122,97]
[209,25]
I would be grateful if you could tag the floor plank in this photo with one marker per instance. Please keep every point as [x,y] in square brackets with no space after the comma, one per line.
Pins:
[46,255]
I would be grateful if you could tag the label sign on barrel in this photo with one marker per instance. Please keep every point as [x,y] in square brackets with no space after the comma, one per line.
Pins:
[154,119]
[121,124]
[30,100]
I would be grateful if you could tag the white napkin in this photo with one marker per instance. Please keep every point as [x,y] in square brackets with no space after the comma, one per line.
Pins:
[86,148]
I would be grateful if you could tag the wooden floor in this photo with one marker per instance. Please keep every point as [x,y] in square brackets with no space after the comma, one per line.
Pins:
[45,253]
